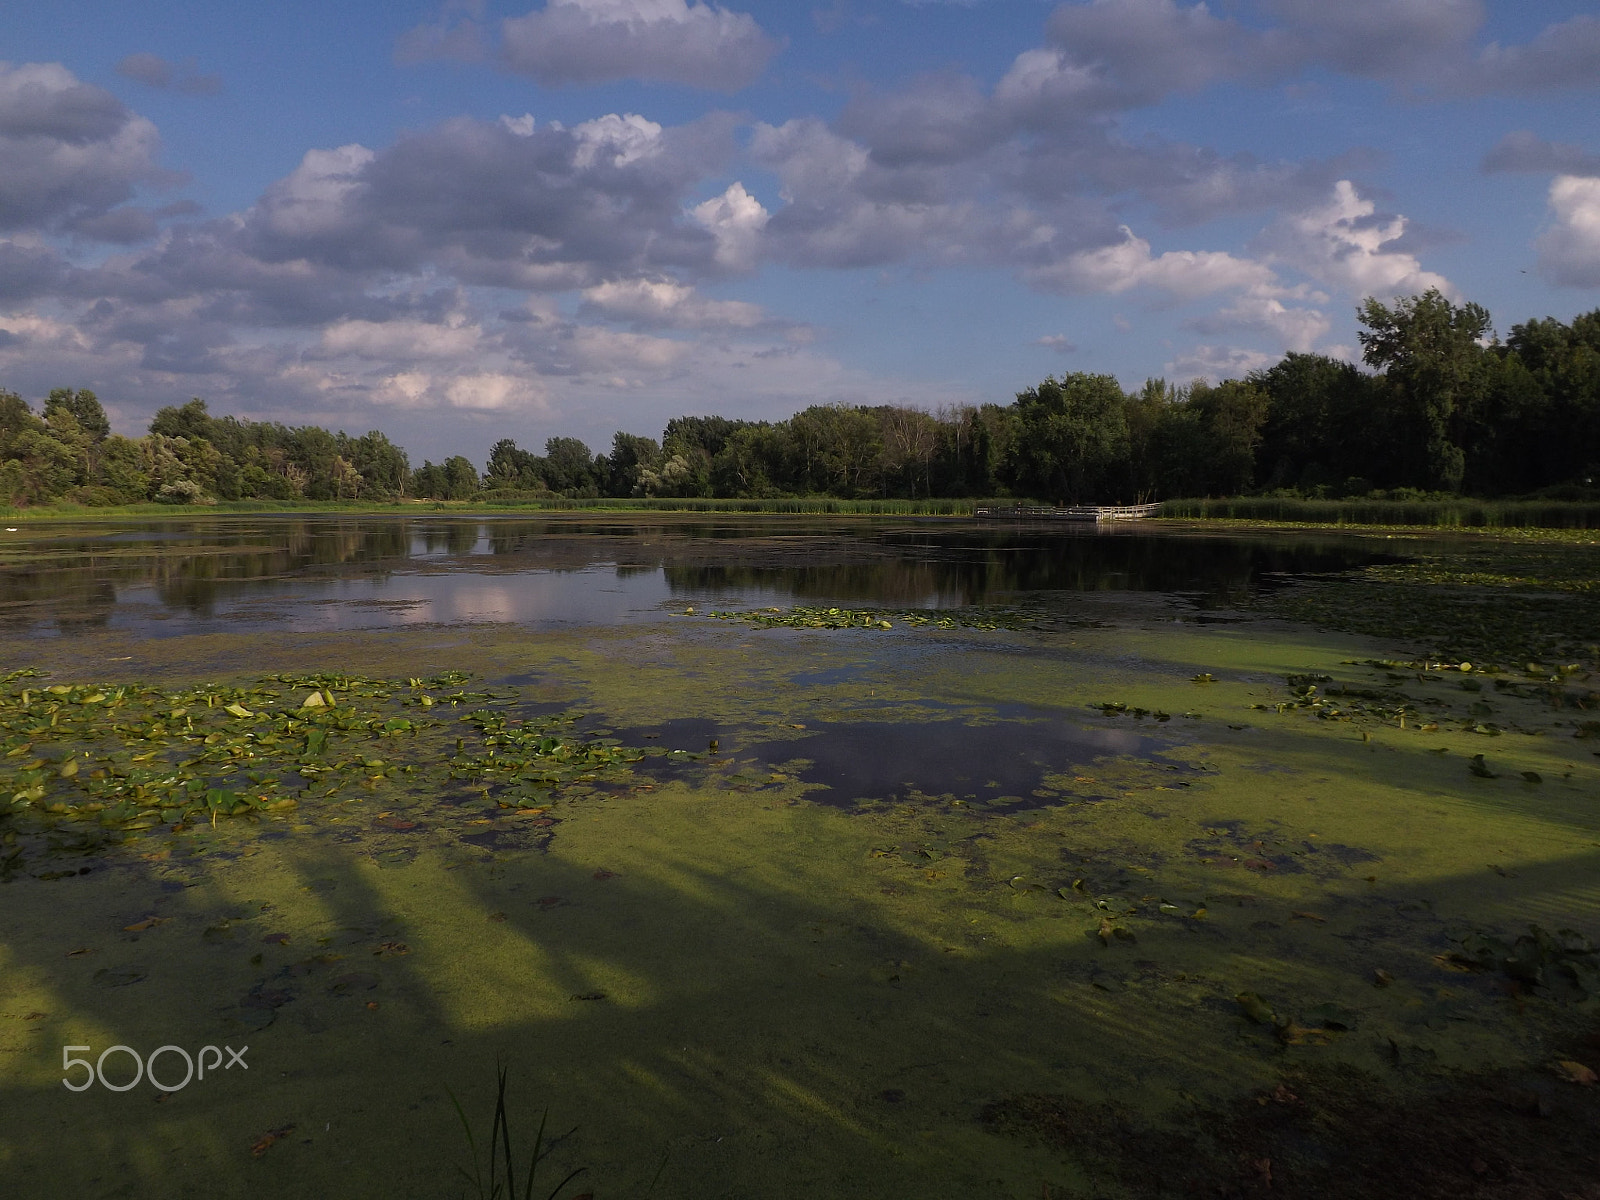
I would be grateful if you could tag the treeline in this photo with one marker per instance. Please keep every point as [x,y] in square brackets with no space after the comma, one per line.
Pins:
[1447,410]
[188,457]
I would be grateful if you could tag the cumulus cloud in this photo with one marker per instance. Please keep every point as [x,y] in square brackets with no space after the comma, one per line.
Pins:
[1216,363]
[735,219]
[1121,266]
[1569,251]
[502,203]
[154,71]
[843,210]
[72,152]
[614,140]
[1141,50]
[401,340]
[1343,242]
[1293,328]
[1059,342]
[667,304]
[665,41]
[1522,150]
[316,198]
[939,118]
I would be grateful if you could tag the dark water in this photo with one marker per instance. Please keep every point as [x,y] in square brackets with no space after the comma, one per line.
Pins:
[998,765]
[333,573]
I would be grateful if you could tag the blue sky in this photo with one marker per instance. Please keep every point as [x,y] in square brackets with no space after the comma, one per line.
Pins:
[463,222]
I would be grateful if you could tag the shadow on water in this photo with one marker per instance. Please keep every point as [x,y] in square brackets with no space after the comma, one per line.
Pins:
[778,1038]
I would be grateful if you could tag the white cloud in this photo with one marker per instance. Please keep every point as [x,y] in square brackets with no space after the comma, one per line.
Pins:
[474,391]
[1569,251]
[735,219]
[1044,80]
[1292,328]
[1185,274]
[667,304]
[313,199]
[71,151]
[493,391]
[401,340]
[669,41]
[809,158]
[1059,342]
[1342,243]
[1217,363]
[613,140]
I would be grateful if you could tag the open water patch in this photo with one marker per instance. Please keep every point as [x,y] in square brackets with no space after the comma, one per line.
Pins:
[1004,765]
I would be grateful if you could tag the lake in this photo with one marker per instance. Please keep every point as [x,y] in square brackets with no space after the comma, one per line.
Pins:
[304,574]
[790,857]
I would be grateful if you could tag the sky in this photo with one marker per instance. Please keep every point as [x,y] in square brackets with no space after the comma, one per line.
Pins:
[477,220]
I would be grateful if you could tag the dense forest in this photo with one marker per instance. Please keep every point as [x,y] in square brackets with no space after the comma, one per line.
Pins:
[1447,409]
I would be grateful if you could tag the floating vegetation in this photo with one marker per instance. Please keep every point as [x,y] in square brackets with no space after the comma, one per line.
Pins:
[1495,604]
[977,617]
[1564,964]
[1460,706]
[92,764]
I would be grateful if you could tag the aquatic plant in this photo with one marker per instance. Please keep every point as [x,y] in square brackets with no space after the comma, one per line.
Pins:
[977,617]
[501,1157]
[112,760]
[1449,513]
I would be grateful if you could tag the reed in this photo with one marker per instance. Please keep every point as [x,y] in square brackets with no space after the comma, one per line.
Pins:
[1453,513]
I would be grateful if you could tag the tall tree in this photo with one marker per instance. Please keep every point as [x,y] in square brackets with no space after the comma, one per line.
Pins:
[85,408]
[1431,350]
[1072,444]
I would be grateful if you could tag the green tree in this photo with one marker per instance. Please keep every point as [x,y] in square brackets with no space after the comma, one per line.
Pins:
[630,456]
[85,408]
[1072,441]
[122,472]
[45,468]
[1430,350]
[382,465]
[750,463]
[189,421]
[569,467]
[1230,416]
[460,478]
[1328,425]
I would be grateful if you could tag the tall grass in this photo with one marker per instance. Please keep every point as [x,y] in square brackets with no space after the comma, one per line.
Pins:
[1455,513]
[787,504]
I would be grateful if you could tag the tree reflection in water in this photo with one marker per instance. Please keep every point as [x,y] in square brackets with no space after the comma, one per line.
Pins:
[54,578]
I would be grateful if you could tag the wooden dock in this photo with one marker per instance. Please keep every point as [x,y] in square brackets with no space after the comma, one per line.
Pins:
[1081,512]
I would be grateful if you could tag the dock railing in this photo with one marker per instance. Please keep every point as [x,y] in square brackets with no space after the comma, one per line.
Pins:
[1080,512]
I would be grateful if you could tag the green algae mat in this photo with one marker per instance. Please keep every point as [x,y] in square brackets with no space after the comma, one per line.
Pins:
[1070,897]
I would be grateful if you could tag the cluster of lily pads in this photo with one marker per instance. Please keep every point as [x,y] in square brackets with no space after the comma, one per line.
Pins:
[131,757]
[1489,602]
[1345,702]
[982,617]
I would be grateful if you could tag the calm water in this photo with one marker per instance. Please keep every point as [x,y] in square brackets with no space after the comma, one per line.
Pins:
[162,578]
